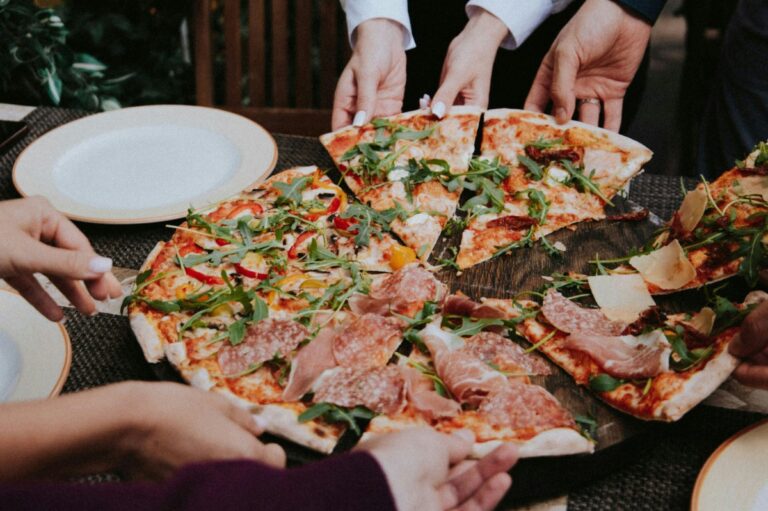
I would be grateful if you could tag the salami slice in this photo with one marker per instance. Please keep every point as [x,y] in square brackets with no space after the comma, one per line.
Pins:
[504,354]
[261,343]
[569,317]
[404,292]
[381,389]
[368,341]
[521,406]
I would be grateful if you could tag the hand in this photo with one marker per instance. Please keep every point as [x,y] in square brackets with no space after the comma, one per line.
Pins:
[172,425]
[373,82]
[596,55]
[467,69]
[752,346]
[418,461]
[38,239]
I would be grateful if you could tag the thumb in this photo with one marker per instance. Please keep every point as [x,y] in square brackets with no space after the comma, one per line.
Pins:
[446,94]
[539,95]
[459,445]
[366,97]
[61,262]
[753,337]
[566,66]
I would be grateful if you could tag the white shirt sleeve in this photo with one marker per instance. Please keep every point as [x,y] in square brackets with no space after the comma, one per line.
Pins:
[358,11]
[521,17]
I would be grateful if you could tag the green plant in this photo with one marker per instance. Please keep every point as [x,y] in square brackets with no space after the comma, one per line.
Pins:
[39,66]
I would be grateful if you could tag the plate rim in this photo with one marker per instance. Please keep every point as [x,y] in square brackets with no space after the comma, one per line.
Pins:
[695,495]
[144,219]
[66,367]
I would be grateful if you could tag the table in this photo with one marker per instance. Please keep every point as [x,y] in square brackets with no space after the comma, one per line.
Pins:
[104,350]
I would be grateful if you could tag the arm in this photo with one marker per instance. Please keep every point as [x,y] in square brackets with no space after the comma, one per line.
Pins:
[521,17]
[752,346]
[359,11]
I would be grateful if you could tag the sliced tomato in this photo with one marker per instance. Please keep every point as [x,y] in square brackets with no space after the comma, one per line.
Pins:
[245,272]
[221,242]
[202,277]
[293,251]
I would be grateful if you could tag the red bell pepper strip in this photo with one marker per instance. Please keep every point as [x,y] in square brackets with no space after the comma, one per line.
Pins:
[202,277]
[293,251]
[245,272]
[333,207]
[221,242]
[344,224]
[252,206]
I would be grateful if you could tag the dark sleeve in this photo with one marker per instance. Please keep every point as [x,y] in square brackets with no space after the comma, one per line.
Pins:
[346,482]
[649,10]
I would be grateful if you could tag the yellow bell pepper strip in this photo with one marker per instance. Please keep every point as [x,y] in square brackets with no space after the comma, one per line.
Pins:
[400,256]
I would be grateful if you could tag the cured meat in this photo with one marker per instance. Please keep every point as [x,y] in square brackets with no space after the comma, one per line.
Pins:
[380,389]
[460,305]
[545,156]
[420,392]
[404,292]
[262,342]
[468,378]
[625,356]
[505,355]
[569,317]
[309,364]
[368,341]
[512,222]
[520,406]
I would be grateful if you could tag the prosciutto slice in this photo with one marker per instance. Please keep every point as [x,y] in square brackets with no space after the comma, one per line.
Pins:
[569,317]
[309,364]
[261,343]
[504,354]
[625,356]
[403,292]
[421,395]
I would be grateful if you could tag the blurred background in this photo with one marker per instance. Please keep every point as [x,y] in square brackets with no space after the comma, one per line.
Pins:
[116,53]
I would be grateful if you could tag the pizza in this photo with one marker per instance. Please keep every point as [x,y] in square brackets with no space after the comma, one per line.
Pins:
[410,162]
[554,176]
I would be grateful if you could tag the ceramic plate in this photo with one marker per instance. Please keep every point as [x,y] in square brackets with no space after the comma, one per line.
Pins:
[145,164]
[35,354]
[735,477]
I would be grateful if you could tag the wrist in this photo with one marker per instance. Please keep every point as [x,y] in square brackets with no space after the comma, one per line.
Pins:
[133,425]
[378,31]
[486,27]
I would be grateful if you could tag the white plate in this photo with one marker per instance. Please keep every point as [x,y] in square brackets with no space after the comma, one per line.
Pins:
[35,354]
[735,477]
[145,164]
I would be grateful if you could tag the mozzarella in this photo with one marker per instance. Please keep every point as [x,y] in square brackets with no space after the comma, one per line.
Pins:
[397,175]
[176,353]
[418,219]
[556,175]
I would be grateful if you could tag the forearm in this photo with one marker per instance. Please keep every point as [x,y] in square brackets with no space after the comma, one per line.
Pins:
[360,11]
[65,436]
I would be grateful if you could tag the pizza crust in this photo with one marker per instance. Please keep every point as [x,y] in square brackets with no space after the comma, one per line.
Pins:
[553,442]
[145,333]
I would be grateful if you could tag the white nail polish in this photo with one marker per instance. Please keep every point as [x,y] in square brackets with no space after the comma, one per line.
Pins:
[359,119]
[424,101]
[438,109]
[260,422]
[100,264]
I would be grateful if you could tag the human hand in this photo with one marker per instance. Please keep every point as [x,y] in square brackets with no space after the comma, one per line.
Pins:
[752,346]
[172,425]
[425,470]
[39,239]
[466,75]
[373,82]
[595,56]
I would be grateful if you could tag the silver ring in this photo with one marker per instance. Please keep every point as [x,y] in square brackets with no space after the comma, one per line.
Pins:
[591,101]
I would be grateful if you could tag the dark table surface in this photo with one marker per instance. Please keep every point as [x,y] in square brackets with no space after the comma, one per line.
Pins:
[659,476]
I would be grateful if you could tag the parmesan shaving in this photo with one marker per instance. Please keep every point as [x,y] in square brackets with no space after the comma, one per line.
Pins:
[702,321]
[752,185]
[667,268]
[621,297]
[692,209]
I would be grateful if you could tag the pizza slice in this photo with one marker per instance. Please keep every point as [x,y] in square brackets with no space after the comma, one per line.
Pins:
[409,162]
[649,364]
[554,176]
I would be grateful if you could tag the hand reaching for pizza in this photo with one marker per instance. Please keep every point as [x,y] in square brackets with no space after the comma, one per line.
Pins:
[39,239]
[466,75]
[373,82]
[594,57]
[427,471]
[752,346]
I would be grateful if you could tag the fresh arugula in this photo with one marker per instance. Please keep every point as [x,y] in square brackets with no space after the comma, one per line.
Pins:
[430,373]
[450,261]
[538,205]
[290,193]
[604,383]
[332,413]
[469,326]
[683,358]
[583,182]
[525,241]
[535,171]
[545,143]
[588,426]
[368,221]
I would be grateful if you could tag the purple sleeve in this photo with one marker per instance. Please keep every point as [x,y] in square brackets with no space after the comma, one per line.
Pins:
[346,482]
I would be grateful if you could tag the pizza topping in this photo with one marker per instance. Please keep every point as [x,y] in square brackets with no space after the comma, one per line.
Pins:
[524,406]
[631,216]
[460,305]
[380,389]
[504,355]
[757,161]
[701,322]
[211,280]
[547,155]
[569,317]
[691,210]
[262,342]
[652,317]
[667,267]
[621,297]
[625,356]
[369,341]
[421,394]
[512,222]
[309,363]
[403,292]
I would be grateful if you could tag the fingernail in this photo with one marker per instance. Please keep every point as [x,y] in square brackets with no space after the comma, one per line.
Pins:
[465,435]
[438,109]
[359,119]
[260,422]
[424,101]
[100,264]
[560,115]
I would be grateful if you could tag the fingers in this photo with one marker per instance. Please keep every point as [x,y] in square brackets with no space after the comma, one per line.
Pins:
[105,287]
[753,337]
[612,114]
[273,455]
[366,97]
[343,100]
[464,484]
[539,95]
[59,231]
[589,113]
[459,445]
[488,495]
[61,262]
[33,292]
[76,294]
[566,65]
[754,375]
[446,94]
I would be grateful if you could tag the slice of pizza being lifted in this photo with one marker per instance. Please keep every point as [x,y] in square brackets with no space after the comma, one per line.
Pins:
[557,175]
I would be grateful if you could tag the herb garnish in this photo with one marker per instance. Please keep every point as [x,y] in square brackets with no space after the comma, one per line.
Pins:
[332,413]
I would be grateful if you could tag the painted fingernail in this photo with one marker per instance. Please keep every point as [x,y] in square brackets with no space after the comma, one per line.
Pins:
[424,101]
[438,109]
[359,119]
[100,264]
[260,422]
[560,115]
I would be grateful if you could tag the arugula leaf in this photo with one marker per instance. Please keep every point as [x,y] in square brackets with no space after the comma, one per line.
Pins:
[470,326]
[290,193]
[236,332]
[334,414]
[543,143]
[604,383]
[525,241]
[538,205]
[535,171]
[492,169]
[582,182]
[682,358]
[588,426]
[450,261]
[430,373]
[550,249]
[260,309]
[369,222]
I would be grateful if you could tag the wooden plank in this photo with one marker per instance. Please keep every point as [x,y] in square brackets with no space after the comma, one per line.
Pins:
[257,36]
[303,60]
[203,57]
[328,51]
[233,73]
[280,53]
